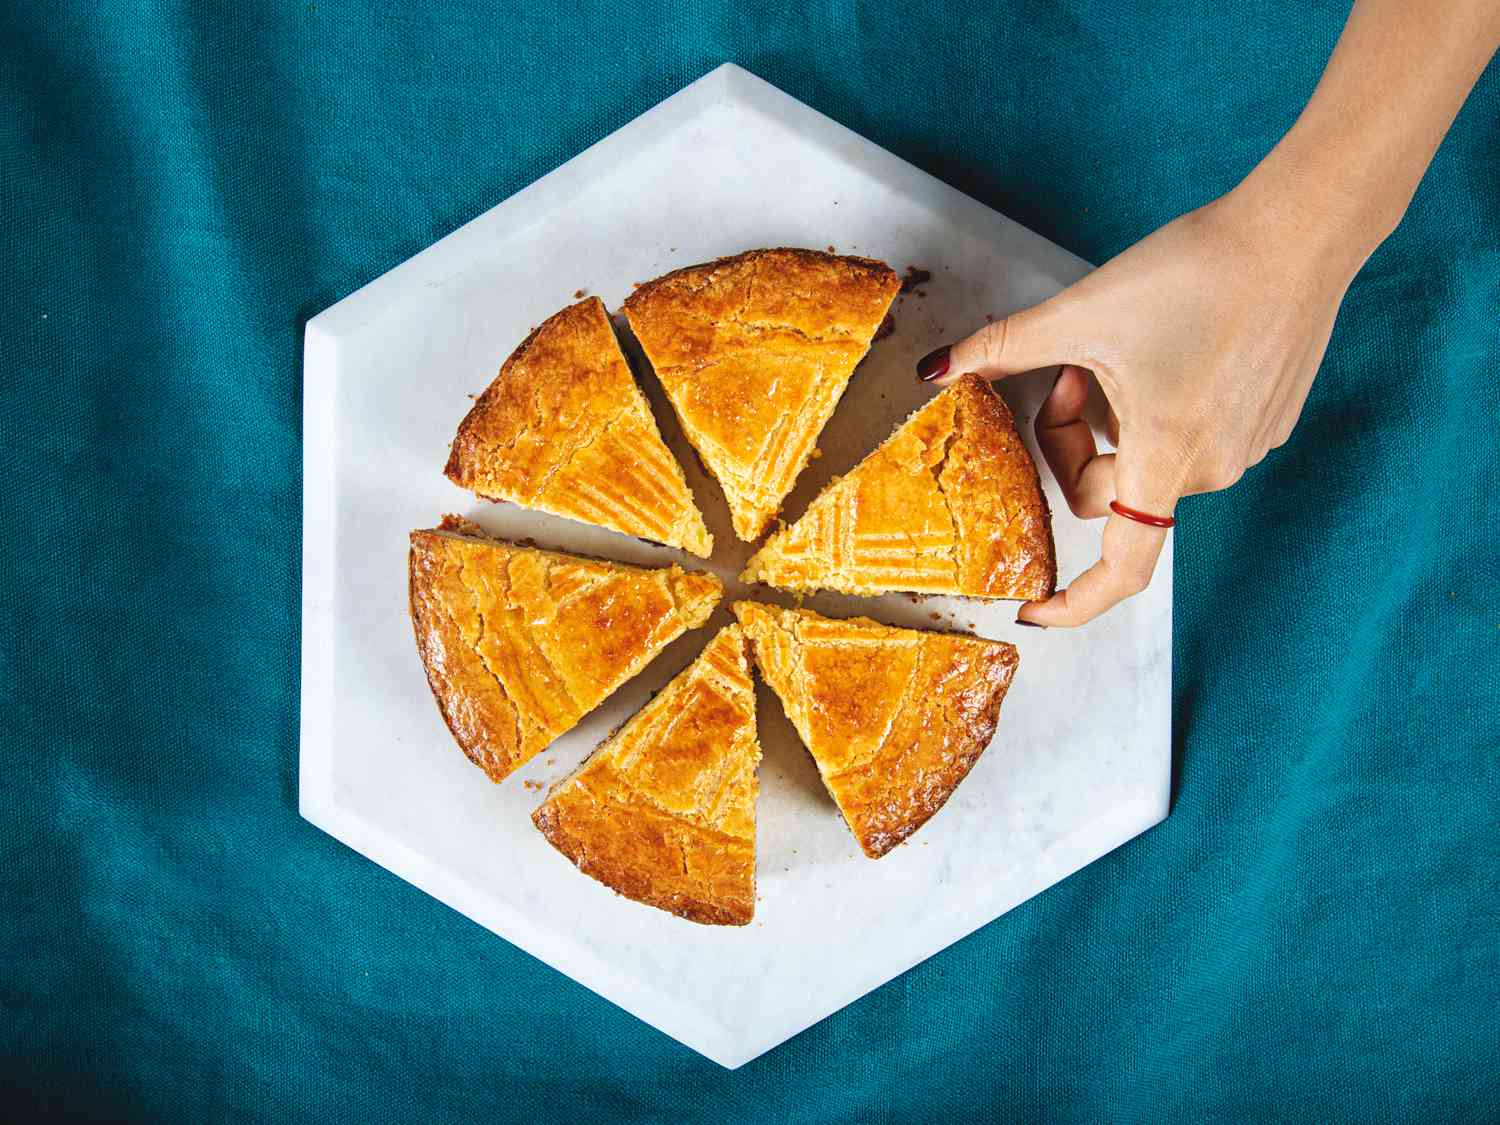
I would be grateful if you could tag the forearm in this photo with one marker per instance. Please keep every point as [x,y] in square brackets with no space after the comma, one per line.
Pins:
[1395,82]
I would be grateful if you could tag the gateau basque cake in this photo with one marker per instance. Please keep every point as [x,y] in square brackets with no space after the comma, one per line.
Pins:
[894,718]
[664,810]
[754,352]
[519,644]
[565,429]
[949,504]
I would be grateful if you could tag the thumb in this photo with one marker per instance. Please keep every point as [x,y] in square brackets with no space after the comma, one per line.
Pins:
[1024,341]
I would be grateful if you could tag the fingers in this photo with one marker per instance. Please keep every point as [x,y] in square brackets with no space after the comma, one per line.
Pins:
[1085,477]
[1127,560]
[1023,341]
[1128,550]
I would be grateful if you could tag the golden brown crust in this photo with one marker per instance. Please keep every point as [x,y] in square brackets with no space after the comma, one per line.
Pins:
[754,352]
[950,504]
[894,718]
[519,644]
[663,812]
[565,429]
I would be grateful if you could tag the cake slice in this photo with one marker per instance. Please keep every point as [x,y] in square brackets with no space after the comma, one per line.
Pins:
[894,718]
[664,810]
[564,429]
[950,504]
[519,644]
[754,352]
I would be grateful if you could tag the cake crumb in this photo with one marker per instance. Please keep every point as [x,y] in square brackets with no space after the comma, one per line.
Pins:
[935,616]
[832,249]
[816,453]
[922,293]
[915,275]
[578,294]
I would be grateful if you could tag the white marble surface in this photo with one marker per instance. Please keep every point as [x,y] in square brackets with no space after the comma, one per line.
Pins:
[1081,761]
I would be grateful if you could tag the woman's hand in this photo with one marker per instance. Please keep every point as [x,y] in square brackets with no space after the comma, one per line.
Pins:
[1205,338]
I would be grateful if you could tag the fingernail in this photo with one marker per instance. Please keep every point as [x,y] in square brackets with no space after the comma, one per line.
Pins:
[1030,624]
[933,364]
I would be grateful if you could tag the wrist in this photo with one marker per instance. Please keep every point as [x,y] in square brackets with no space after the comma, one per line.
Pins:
[1306,195]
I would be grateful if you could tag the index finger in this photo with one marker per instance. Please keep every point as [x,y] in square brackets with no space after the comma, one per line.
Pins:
[1023,341]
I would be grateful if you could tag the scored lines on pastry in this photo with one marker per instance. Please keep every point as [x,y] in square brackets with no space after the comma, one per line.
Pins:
[894,718]
[949,504]
[519,643]
[663,812]
[754,353]
[565,429]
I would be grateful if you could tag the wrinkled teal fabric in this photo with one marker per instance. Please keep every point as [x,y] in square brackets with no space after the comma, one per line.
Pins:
[1314,934]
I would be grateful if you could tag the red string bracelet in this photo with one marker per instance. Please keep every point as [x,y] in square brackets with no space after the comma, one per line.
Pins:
[1140,517]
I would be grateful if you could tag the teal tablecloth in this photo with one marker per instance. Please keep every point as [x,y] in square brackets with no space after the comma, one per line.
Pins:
[1314,934]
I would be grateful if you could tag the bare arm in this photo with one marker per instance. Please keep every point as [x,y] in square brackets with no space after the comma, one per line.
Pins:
[1206,335]
[1395,82]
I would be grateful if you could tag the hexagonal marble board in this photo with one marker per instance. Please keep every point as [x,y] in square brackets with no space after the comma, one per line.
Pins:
[1081,760]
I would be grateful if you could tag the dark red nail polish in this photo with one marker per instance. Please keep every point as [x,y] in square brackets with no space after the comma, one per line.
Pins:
[933,364]
[1030,624]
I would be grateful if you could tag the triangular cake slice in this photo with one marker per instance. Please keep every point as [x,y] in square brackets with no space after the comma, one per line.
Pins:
[894,718]
[664,810]
[565,429]
[519,644]
[950,504]
[754,352]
